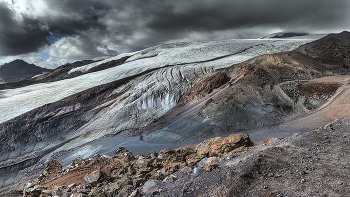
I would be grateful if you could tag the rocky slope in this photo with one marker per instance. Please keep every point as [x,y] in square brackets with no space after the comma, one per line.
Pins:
[311,164]
[123,173]
[19,70]
[167,96]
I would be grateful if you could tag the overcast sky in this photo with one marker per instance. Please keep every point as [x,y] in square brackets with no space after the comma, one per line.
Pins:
[50,33]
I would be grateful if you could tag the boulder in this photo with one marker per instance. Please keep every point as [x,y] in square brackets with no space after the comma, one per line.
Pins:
[71,186]
[193,159]
[222,145]
[123,154]
[197,171]
[52,168]
[164,154]
[83,191]
[211,160]
[92,177]
[120,150]
[141,163]
[29,188]
[202,162]
[151,186]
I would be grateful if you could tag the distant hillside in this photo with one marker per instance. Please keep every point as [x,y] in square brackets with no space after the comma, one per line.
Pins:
[284,35]
[19,70]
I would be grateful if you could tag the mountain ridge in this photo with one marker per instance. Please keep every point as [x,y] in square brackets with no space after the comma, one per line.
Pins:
[20,70]
[217,98]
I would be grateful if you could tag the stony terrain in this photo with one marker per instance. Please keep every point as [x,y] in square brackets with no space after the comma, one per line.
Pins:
[169,96]
[124,173]
[311,164]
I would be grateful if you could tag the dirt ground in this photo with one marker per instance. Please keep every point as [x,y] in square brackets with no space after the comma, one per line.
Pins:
[312,164]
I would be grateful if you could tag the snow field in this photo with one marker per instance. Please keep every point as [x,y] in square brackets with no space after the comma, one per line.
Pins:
[200,55]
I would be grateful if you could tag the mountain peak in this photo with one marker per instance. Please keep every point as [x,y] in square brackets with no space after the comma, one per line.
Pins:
[19,60]
[19,70]
[285,34]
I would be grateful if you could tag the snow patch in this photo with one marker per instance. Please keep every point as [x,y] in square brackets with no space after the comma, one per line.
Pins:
[88,67]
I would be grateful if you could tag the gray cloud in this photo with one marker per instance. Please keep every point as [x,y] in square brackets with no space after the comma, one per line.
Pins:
[20,37]
[77,16]
[205,15]
[110,26]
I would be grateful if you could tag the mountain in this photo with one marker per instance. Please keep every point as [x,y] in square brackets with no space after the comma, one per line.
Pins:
[285,34]
[20,70]
[173,95]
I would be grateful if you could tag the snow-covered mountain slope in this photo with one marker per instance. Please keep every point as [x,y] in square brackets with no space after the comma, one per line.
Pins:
[200,55]
[46,120]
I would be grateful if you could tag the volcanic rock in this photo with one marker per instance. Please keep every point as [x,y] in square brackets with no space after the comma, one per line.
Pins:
[52,168]
[219,145]
[332,49]
[204,88]
[93,176]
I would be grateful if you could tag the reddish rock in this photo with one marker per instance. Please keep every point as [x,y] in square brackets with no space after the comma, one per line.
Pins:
[211,166]
[218,146]
[204,88]
[269,139]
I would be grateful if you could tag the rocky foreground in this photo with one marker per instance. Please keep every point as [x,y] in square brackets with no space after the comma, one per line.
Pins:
[125,174]
[316,163]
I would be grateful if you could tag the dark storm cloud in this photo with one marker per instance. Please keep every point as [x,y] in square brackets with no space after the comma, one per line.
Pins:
[175,20]
[19,37]
[128,25]
[227,14]
[77,16]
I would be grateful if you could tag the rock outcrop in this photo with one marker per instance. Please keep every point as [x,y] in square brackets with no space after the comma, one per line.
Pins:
[222,146]
[124,175]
